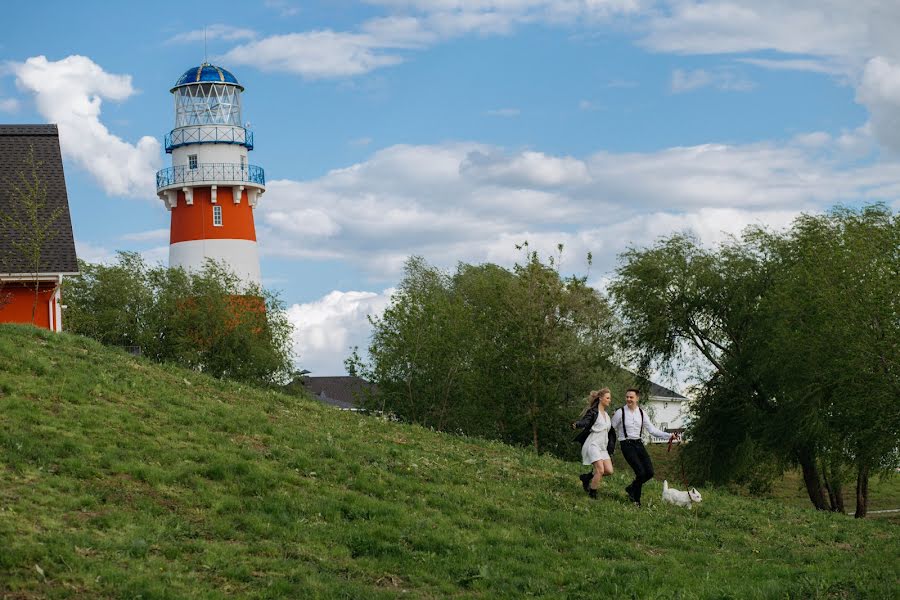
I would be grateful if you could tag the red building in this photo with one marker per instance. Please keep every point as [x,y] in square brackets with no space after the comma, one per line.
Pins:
[21,269]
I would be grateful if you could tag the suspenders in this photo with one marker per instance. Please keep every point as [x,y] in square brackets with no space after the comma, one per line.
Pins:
[625,431]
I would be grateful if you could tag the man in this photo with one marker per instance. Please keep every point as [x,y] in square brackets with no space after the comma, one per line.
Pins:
[629,423]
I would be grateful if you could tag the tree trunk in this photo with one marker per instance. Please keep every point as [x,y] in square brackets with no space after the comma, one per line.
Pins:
[37,287]
[862,492]
[812,479]
[835,489]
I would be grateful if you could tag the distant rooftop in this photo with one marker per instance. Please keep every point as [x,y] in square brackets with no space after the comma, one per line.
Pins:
[664,392]
[340,391]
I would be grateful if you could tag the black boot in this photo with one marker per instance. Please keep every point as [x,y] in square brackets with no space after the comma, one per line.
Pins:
[630,491]
[586,480]
[592,494]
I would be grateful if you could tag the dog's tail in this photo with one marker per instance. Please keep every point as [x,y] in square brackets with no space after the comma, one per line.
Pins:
[665,486]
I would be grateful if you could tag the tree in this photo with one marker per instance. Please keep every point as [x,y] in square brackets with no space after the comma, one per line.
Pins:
[794,329]
[205,320]
[29,224]
[489,351]
[683,303]
[833,310]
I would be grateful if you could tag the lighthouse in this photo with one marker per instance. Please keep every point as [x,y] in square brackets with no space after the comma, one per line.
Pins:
[211,188]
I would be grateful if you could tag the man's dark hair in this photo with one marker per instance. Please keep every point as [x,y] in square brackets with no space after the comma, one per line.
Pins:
[635,390]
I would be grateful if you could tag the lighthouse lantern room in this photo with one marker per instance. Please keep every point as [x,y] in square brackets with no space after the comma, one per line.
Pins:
[211,188]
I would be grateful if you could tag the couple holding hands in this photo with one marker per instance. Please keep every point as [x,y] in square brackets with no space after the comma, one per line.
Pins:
[600,432]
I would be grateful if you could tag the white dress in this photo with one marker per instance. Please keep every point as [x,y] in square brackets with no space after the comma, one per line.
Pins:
[594,447]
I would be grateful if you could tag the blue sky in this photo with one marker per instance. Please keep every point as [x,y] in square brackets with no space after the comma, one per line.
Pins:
[455,129]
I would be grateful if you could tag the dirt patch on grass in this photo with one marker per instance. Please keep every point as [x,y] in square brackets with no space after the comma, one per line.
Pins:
[254,442]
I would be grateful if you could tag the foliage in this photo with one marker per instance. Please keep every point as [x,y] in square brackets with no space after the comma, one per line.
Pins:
[490,352]
[206,320]
[799,335]
[29,224]
[124,478]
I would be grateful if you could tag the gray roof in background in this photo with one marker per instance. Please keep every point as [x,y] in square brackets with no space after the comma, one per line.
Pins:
[341,391]
[664,392]
[58,256]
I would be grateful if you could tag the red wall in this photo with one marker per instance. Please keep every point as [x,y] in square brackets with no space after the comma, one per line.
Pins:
[195,221]
[19,299]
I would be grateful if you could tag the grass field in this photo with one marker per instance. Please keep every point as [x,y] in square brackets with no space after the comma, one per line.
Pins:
[123,479]
[884,491]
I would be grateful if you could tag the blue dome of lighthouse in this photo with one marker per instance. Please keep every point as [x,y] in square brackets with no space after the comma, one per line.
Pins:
[206,73]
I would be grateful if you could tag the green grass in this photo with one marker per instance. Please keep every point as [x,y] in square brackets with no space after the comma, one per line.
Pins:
[122,479]
[884,491]
[884,494]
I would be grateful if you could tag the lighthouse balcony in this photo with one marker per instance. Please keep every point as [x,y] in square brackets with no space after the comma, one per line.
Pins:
[210,174]
[208,134]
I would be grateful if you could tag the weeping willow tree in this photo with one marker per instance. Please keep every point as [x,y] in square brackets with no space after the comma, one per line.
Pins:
[798,338]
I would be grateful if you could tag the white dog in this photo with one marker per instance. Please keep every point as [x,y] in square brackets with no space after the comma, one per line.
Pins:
[679,498]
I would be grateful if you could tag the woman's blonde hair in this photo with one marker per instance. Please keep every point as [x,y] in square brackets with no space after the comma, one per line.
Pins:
[593,399]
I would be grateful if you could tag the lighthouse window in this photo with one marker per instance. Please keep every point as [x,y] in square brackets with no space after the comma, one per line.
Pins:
[243,162]
[217,216]
[192,161]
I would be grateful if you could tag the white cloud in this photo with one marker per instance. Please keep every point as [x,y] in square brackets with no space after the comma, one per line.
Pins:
[9,105]
[152,235]
[721,79]
[685,81]
[825,28]
[503,112]
[314,54]
[94,253]
[304,221]
[380,41]
[795,64]
[472,202]
[854,41]
[70,92]
[284,8]
[533,169]
[326,329]
[100,254]
[879,91]
[218,31]
[157,255]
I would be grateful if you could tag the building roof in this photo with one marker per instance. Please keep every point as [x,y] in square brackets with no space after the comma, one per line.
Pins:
[664,392]
[341,391]
[58,254]
[206,73]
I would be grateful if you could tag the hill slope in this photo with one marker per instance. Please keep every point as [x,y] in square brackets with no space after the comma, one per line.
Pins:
[120,478]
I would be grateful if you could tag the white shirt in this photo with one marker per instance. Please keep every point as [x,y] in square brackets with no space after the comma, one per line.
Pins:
[601,424]
[633,425]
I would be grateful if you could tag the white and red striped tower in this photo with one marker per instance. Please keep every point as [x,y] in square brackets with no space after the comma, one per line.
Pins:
[211,189]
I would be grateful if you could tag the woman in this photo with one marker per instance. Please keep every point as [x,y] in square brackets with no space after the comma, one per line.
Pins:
[595,423]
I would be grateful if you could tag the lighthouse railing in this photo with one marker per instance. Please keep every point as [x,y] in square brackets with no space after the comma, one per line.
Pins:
[206,134]
[210,173]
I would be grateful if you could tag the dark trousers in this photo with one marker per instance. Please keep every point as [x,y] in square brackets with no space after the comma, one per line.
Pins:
[639,461]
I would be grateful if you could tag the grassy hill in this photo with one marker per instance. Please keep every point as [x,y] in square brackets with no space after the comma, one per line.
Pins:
[123,479]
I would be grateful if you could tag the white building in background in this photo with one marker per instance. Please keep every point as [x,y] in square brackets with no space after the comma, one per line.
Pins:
[668,409]
[211,189]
